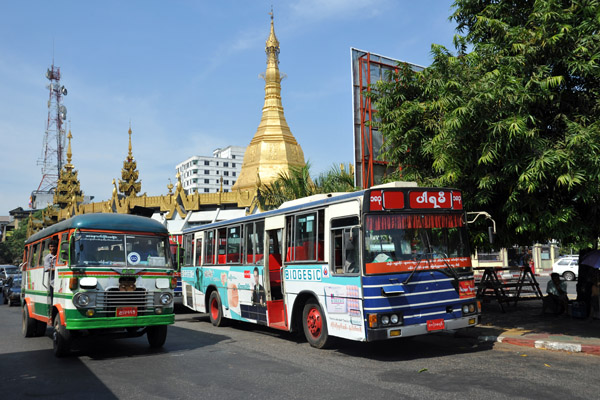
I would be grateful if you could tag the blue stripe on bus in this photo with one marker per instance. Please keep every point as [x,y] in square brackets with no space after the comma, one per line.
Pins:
[427,296]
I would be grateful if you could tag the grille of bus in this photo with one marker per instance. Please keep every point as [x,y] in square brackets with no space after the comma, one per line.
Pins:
[109,301]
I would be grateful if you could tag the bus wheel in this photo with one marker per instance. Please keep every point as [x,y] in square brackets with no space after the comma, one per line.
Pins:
[315,325]
[29,324]
[61,338]
[40,328]
[215,310]
[157,335]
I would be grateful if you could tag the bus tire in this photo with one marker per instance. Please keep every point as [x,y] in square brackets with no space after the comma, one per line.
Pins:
[315,325]
[29,324]
[61,338]
[215,309]
[40,328]
[157,335]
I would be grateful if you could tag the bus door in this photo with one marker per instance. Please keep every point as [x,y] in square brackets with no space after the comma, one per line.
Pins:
[273,245]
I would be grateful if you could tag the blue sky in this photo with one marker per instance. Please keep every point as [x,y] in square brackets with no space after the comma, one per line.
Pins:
[186,74]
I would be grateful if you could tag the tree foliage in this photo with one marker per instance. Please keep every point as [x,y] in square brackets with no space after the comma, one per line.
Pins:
[511,118]
[11,250]
[298,183]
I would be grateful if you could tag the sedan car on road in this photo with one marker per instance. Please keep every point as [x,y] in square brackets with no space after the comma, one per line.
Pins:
[11,291]
[567,267]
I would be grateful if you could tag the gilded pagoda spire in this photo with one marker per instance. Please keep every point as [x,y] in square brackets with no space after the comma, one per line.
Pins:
[273,150]
[68,188]
[129,184]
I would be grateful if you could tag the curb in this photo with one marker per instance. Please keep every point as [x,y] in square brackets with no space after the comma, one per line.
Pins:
[544,344]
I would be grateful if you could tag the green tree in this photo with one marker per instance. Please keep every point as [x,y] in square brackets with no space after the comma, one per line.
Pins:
[11,250]
[298,183]
[511,118]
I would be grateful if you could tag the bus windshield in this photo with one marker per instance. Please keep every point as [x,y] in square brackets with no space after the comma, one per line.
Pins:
[114,249]
[415,237]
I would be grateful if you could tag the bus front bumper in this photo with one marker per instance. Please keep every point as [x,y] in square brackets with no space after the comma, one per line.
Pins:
[419,329]
[120,322]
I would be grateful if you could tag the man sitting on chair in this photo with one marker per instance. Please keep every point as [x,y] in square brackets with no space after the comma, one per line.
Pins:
[557,300]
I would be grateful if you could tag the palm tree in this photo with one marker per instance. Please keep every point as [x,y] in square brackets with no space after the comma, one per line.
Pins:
[298,183]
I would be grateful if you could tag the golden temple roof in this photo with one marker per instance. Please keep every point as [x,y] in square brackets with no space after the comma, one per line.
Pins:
[68,188]
[273,149]
[129,184]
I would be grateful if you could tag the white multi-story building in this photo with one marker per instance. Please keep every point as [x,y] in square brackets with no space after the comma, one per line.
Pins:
[203,174]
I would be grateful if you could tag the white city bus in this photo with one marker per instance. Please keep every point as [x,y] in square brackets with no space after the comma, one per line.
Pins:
[388,262]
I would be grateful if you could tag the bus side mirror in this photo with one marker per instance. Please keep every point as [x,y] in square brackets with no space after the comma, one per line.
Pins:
[491,234]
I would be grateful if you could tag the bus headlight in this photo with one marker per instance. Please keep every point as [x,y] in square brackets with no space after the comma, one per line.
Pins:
[394,319]
[469,308]
[166,299]
[385,320]
[82,299]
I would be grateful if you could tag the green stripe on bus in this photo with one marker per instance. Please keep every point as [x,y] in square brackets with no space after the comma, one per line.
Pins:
[42,293]
[119,322]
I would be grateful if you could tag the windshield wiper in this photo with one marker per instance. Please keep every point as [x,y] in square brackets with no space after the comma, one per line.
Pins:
[414,269]
[450,267]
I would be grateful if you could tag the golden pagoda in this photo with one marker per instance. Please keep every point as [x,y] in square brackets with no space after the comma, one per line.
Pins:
[273,149]
[129,185]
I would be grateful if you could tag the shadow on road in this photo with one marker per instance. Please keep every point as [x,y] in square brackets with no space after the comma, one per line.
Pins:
[39,374]
[99,348]
[434,345]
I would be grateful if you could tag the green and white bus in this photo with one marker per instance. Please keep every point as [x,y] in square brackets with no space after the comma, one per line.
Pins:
[110,274]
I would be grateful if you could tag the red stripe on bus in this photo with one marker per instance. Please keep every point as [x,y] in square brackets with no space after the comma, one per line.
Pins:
[409,266]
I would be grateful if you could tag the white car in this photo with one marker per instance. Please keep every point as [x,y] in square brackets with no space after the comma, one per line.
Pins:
[567,267]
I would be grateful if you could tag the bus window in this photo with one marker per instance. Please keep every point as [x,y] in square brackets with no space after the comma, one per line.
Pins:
[35,255]
[259,251]
[250,246]
[414,237]
[120,250]
[254,234]
[222,245]
[188,249]
[345,244]
[44,251]
[209,255]
[63,257]
[234,244]
[307,238]
[199,251]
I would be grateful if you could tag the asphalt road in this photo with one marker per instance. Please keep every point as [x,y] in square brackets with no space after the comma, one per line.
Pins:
[245,361]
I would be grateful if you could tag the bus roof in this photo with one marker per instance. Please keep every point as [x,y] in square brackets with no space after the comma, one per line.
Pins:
[104,221]
[330,199]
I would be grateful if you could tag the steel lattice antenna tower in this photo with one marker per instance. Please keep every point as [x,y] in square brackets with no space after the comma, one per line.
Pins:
[53,156]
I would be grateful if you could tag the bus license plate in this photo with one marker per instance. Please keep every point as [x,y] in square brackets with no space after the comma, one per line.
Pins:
[126,311]
[435,325]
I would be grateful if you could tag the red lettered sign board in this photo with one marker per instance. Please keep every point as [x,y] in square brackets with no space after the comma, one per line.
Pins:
[424,199]
[126,311]
[435,324]
[376,201]
[457,201]
[466,289]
